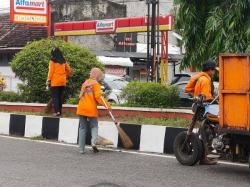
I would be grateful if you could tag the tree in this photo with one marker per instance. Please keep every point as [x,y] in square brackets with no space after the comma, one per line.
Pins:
[210,27]
[31,66]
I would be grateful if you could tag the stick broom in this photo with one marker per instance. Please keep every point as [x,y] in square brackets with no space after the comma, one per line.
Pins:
[48,107]
[126,141]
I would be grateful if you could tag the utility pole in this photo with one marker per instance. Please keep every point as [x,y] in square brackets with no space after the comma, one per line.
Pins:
[50,2]
[152,65]
[153,31]
[49,19]
[158,43]
[148,42]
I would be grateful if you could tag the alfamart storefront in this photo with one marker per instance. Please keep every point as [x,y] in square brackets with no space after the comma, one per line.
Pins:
[120,25]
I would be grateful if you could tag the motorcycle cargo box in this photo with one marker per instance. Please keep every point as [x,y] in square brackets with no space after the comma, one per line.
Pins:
[234,90]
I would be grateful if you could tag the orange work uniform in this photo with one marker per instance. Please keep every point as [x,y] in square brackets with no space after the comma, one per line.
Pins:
[58,73]
[200,84]
[87,105]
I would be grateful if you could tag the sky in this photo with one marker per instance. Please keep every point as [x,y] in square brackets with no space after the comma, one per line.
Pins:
[4,5]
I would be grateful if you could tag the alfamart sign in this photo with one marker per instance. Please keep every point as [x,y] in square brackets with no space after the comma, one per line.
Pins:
[29,11]
[105,26]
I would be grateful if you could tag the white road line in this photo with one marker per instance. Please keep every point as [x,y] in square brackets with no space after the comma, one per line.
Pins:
[233,164]
[115,150]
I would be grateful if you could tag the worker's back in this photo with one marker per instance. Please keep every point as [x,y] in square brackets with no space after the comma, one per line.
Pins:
[200,84]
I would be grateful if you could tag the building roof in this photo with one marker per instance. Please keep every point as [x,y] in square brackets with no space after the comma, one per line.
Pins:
[14,36]
[115,61]
[135,55]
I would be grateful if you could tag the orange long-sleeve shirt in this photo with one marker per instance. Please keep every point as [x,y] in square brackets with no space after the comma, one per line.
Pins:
[58,73]
[91,96]
[200,84]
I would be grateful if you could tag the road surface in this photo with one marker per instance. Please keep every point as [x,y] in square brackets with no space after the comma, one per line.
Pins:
[32,163]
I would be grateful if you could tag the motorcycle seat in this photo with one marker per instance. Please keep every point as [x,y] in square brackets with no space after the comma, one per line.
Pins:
[213,118]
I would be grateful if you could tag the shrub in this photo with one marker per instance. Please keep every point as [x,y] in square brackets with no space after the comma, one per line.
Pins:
[31,66]
[73,100]
[150,95]
[10,96]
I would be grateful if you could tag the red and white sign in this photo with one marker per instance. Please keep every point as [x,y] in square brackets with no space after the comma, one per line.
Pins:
[105,26]
[29,11]
[119,25]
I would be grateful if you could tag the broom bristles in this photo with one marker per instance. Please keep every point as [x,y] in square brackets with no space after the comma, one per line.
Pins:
[126,141]
[48,107]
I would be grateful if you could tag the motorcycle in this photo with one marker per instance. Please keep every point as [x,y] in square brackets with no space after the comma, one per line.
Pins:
[201,136]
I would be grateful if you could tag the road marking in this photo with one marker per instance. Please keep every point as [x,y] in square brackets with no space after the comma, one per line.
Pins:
[115,150]
[233,164]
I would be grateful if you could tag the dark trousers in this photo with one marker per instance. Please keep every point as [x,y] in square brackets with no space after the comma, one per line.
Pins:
[57,97]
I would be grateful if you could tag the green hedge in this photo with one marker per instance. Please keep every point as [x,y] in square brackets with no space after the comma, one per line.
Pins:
[10,96]
[155,95]
[73,100]
[31,66]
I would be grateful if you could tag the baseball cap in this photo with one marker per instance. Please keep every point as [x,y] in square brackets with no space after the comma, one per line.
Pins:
[209,65]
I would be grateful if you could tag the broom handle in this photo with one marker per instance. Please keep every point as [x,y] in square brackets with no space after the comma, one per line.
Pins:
[110,113]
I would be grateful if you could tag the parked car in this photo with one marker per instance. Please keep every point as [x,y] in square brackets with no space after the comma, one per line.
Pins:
[180,80]
[112,88]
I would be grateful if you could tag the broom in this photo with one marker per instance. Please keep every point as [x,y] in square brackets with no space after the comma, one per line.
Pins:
[48,107]
[126,141]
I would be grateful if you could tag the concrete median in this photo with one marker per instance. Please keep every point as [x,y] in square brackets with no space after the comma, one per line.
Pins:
[146,138]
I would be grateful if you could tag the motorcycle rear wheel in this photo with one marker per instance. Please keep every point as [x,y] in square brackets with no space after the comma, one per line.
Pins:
[190,153]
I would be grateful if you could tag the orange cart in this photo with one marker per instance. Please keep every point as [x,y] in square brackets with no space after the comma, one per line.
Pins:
[226,134]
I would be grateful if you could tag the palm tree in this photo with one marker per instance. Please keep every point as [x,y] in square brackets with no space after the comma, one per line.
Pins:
[210,27]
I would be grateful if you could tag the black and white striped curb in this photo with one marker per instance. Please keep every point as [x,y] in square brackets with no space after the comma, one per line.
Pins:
[147,138]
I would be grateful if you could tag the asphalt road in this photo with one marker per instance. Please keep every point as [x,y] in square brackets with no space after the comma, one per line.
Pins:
[30,163]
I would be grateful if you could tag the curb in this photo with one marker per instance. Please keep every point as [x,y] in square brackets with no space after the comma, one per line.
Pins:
[146,138]
[117,111]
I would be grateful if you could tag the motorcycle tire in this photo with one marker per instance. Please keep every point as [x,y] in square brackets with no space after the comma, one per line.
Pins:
[249,160]
[190,153]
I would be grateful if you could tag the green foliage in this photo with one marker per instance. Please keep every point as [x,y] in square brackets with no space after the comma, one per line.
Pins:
[210,27]
[10,96]
[141,120]
[39,137]
[73,100]
[31,66]
[150,94]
